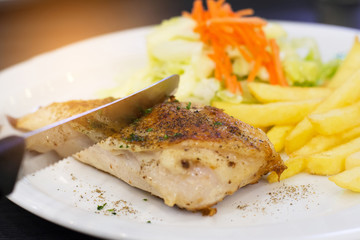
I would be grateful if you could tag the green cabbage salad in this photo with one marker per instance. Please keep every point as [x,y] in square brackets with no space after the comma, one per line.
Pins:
[174,48]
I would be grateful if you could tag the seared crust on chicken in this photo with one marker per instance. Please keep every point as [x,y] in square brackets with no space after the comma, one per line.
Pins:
[192,156]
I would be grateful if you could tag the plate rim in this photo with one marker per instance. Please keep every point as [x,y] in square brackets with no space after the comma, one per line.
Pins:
[72,225]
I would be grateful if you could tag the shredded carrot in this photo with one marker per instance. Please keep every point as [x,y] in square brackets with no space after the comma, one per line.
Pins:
[255,69]
[244,12]
[219,26]
[245,54]
[231,21]
[278,69]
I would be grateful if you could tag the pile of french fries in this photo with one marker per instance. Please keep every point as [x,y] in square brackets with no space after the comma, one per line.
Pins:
[317,127]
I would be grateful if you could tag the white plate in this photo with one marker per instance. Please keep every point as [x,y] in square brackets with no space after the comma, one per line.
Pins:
[69,192]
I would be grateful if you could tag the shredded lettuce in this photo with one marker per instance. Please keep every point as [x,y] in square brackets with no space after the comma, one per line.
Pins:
[302,63]
[275,30]
[329,69]
[227,96]
[174,48]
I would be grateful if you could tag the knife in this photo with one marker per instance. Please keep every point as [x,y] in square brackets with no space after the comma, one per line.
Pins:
[119,113]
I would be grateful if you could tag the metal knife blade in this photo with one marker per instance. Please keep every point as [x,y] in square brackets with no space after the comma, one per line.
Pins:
[119,113]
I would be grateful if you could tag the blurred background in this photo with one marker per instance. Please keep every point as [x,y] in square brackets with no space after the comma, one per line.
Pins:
[31,27]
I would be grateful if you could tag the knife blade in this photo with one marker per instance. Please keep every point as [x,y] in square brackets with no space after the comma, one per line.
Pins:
[118,113]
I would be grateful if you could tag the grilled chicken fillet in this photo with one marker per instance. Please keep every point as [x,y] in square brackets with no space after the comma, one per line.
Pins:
[190,156]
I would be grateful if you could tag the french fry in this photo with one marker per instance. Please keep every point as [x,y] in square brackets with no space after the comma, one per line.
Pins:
[350,65]
[299,136]
[349,179]
[352,161]
[264,115]
[322,143]
[332,161]
[294,166]
[336,120]
[344,95]
[277,136]
[267,93]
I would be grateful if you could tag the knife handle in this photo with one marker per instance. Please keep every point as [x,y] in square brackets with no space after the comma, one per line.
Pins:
[12,150]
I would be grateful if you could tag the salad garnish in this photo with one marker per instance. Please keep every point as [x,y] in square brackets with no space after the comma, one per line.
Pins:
[220,27]
[218,51]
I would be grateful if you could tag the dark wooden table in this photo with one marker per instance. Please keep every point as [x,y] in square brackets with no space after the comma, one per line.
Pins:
[32,27]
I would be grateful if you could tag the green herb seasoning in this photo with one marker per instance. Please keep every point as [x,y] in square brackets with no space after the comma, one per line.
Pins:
[121,146]
[111,210]
[148,221]
[100,207]
[149,130]
[135,138]
[178,107]
[218,123]
[166,136]
[145,199]
[147,111]
[188,106]
[136,121]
